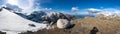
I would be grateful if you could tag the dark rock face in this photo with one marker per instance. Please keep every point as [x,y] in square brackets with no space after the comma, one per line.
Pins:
[0,9]
[36,16]
[71,26]
[32,25]
[2,32]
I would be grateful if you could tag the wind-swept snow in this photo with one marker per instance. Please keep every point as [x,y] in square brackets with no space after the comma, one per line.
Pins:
[13,24]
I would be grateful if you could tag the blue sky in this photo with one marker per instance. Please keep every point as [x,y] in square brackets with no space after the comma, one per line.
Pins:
[67,6]
[81,4]
[1,2]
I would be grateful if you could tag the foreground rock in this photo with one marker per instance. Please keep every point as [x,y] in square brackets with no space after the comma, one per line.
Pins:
[63,23]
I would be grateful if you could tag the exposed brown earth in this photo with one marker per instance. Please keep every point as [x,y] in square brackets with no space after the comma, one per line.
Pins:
[105,26]
[52,31]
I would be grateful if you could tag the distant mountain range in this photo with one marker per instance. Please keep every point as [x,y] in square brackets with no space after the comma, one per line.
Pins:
[38,16]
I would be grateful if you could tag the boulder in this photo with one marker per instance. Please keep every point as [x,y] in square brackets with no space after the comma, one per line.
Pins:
[63,23]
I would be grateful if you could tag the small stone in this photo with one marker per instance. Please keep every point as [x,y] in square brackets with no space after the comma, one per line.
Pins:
[32,25]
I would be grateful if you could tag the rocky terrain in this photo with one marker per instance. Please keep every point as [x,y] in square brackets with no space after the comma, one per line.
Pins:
[105,26]
[85,25]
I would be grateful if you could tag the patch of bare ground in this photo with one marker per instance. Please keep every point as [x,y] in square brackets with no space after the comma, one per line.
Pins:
[51,31]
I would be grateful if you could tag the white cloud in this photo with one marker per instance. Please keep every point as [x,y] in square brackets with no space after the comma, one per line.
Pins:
[48,8]
[81,13]
[36,5]
[105,11]
[27,5]
[24,4]
[75,13]
[45,9]
[13,2]
[93,10]
[74,9]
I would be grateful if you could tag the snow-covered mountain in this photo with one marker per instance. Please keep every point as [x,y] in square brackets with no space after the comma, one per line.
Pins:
[12,23]
[39,16]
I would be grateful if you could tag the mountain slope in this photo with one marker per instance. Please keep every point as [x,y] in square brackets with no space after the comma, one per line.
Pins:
[13,24]
[105,26]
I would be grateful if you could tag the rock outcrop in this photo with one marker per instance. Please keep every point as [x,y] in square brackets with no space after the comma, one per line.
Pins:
[38,16]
